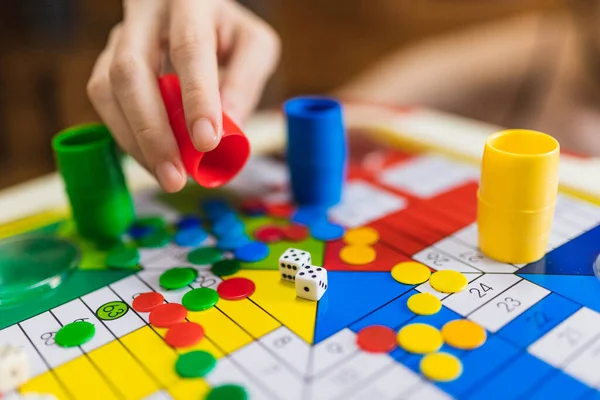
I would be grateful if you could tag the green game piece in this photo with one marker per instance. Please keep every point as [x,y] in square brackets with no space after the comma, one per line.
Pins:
[200,299]
[195,364]
[122,257]
[176,278]
[90,165]
[226,267]
[205,255]
[227,392]
[154,221]
[112,310]
[75,334]
[156,239]
[33,266]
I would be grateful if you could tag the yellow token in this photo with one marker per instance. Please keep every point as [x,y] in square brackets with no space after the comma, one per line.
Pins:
[464,334]
[424,304]
[364,236]
[410,272]
[441,367]
[420,338]
[357,255]
[448,281]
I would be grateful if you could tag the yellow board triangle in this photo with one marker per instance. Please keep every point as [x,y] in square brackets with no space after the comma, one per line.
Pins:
[278,298]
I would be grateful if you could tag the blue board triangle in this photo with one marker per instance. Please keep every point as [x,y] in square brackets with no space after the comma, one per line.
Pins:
[581,289]
[352,295]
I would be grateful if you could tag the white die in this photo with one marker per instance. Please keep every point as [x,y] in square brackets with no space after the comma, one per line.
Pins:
[311,282]
[14,368]
[291,261]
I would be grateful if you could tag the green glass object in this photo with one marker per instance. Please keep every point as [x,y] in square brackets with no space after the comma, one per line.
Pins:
[90,165]
[30,266]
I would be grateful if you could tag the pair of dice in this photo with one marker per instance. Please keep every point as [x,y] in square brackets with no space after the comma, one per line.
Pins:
[311,281]
[14,368]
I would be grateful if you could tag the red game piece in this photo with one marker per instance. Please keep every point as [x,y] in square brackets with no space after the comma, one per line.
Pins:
[295,232]
[269,234]
[167,314]
[376,339]
[146,302]
[184,334]
[213,168]
[280,210]
[236,288]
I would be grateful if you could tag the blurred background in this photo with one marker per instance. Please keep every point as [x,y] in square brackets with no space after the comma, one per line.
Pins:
[48,47]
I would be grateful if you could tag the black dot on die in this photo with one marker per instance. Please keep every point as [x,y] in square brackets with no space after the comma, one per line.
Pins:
[325,286]
[303,253]
[284,276]
[285,257]
[301,273]
[289,266]
[307,267]
[318,269]
[311,271]
[294,267]
[297,259]
[314,276]
[306,289]
[293,278]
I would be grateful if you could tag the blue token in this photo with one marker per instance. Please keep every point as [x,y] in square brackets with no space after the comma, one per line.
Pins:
[325,230]
[309,215]
[139,231]
[190,237]
[215,208]
[228,224]
[233,240]
[252,252]
[189,221]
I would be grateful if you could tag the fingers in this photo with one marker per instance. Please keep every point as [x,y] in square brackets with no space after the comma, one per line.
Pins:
[253,58]
[133,74]
[101,96]
[193,51]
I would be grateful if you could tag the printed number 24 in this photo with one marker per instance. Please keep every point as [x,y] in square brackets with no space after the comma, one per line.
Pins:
[481,290]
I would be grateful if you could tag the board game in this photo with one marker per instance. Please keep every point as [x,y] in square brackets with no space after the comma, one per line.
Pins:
[542,320]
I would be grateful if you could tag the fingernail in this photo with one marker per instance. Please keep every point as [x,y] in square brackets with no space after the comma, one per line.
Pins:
[168,176]
[204,135]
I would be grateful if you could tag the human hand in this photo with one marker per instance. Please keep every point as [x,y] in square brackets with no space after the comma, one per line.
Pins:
[223,55]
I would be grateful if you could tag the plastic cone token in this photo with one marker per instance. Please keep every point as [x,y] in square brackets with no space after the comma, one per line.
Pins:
[167,314]
[280,210]
[146,302]
[195,364]
[358,255]
[365,236]
[184,334]
[295,232]
[177,278]
[441,367]
[269,234]
[411,273]
[424,304]
[420,338]
[75,334]
[448,281]
[376,339]
[236,288]
[464,334]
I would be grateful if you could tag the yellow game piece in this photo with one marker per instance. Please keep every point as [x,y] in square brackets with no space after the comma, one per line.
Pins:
[420,338]
[424,304]
[448,281]
[363,236]
[357,255]
[464,334]
[441,367]
[517,195]
[411,272]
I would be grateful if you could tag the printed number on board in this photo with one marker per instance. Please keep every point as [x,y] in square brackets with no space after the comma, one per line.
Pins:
[437,259]
[334,348]
[48,338]
[539,318]
[346,377]
[112,310]
[571,335]
[509,304]
[282,342]
[472,257]
[206,280]
[481,290]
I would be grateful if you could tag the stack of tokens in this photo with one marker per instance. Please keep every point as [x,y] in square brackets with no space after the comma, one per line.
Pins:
[190,232]
[358,249]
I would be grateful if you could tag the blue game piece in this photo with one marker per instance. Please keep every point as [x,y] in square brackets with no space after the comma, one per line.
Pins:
[190,237]
[252,252]
[316,150]
[189,221]
[308,215]
[139,231]
[228,224]
[325,230]
[215,208]
[233,241]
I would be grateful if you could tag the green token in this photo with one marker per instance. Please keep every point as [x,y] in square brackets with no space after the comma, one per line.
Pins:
[195,364]
[112,310]
[205,255]
[156,222]
[227,392]
[122,257]
[75,334]
[176,278]
[226,267]
[155,239]
[200,299]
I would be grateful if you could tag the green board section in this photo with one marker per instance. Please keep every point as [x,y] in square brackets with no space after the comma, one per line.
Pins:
[79,284]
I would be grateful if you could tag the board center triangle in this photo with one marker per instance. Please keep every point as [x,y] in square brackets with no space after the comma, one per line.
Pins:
[278,298]
[352,295]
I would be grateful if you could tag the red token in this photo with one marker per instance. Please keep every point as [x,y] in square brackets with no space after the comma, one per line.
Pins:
[184,334]
[167,314]
[295,232]
[146,302]
[280,210]
[269,234]
[252,206]
[376,339]
[236,288]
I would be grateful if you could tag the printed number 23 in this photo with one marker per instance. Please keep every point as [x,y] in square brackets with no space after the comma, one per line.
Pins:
[509,304]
